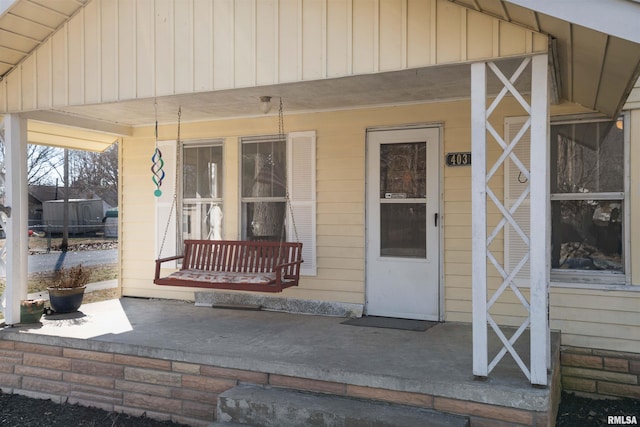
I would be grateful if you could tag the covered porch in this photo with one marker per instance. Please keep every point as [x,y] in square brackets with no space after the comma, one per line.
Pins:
[172,360]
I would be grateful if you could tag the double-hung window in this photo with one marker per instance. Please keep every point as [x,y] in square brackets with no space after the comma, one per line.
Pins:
[588,201]
[264,187]
[588,196]
[278,191]
[202,191]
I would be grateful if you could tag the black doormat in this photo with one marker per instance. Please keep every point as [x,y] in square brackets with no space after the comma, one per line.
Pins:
[390,323]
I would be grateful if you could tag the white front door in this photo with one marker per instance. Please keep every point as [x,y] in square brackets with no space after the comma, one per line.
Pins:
[402,274]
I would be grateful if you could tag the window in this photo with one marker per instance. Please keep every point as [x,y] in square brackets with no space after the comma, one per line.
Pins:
[202,191]
[587,197]
[264,204]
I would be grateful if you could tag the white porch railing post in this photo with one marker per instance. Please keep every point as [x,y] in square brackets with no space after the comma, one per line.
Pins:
[479,218]
[540,239]
[15,136]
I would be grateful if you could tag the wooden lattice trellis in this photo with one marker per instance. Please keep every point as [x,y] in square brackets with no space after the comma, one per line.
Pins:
[536,193]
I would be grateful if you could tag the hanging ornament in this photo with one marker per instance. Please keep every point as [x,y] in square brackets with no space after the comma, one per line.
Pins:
[157,162]
[156,170]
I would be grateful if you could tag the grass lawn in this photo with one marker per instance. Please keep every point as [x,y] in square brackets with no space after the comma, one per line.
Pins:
[38,282]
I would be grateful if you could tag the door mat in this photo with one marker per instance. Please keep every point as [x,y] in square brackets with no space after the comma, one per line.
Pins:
[390,323]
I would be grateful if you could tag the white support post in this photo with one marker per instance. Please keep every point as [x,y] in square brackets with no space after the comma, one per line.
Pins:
[479,218]
[539,240]
[16,195]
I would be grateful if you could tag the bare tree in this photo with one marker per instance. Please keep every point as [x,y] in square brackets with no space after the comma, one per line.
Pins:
[90,170]
[43,163]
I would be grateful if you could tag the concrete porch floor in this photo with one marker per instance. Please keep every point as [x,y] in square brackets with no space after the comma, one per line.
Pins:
[436,362]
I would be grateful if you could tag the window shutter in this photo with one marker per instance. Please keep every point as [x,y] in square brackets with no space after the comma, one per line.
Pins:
[301,158]
[515,183]
[165,215]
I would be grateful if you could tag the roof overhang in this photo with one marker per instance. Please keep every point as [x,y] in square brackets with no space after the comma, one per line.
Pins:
[73,137]
[595,48]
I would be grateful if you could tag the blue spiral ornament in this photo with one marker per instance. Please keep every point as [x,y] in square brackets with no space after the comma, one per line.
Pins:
[156,170]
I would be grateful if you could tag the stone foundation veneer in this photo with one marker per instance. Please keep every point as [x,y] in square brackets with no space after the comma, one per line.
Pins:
[187,392]
[600,373]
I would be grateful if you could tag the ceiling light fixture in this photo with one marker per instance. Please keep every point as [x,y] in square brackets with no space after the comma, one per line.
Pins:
[265,104]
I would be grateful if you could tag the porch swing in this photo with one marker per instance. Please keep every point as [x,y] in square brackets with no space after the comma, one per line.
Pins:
[246,265]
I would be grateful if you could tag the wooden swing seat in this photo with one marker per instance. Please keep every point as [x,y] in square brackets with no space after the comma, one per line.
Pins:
[231,264]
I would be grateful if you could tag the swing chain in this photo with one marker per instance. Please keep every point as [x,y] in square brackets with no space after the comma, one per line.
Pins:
[282,137]
[175,190]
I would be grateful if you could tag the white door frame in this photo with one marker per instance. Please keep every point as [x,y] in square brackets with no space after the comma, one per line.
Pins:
[441,216]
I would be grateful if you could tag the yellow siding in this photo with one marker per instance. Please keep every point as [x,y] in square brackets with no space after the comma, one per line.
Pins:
[112,51]
[603,319]
[634,97]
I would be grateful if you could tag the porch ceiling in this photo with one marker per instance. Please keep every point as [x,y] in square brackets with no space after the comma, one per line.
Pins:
[594,68]
[391,88]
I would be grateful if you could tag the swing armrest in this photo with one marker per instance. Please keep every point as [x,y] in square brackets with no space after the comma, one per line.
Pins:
[161,260]
[281,267]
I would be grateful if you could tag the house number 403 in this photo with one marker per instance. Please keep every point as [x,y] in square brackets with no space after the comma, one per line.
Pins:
[459,159]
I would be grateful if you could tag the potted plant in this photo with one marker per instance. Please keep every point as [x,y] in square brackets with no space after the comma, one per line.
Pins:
[31,310]
[67,289]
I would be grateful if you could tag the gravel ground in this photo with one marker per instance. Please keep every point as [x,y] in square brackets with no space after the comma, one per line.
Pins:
[20,411]
[578,411]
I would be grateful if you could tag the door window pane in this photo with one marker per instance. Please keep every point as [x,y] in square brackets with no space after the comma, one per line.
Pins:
[403,230]
[403,170]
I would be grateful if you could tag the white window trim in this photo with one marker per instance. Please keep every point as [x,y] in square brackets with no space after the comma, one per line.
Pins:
[181,200]
[599,279]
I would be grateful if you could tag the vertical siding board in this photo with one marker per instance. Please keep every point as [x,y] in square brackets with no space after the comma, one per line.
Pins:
[43,68]
[479,36]
[59,67]
[244,44]
[75,52]
[184,59]
[337,37]
[164,47]
[28,83]
[120,49]
[145,49]
[266,35]
[449,32]
[109,37]
[364,35]
[390,35]
[127,46]
[512,39]
[92,53]
[223,44]
[312,47]
[418,33]
[288,41]
[202,45]
[13,91]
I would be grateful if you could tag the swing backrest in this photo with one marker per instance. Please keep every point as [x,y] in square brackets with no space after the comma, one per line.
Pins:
[240,256]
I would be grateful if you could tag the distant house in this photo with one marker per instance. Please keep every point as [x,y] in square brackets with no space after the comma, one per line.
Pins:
[43,193]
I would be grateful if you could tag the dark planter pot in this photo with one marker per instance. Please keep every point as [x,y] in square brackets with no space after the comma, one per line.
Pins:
[66,300]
